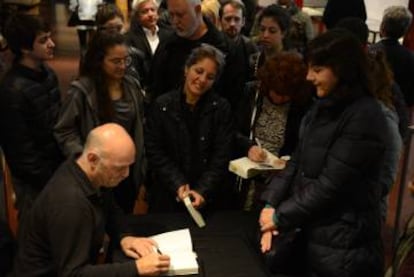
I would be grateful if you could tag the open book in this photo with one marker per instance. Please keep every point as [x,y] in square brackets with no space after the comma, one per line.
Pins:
[246,168]
[178,245]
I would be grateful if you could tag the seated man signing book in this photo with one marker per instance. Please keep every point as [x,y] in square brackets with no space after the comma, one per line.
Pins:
[68,221]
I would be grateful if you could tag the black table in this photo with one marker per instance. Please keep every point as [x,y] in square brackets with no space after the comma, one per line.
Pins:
[226,246]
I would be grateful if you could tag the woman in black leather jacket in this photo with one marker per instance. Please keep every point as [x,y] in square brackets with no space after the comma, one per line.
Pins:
[188,136]
[105,93]
[330,189]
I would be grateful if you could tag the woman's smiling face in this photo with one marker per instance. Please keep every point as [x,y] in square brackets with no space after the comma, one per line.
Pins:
[323,78]
[200,77]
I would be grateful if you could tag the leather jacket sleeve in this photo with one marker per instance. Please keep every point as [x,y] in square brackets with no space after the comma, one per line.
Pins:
[66,130]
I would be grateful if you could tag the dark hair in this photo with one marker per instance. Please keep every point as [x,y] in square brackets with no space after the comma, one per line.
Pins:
[278,14]
[107,12]
[285,74]
[342,53]
[92,68]
[207,51]
[382,74]
[237,4]
[21,31]
[356,26]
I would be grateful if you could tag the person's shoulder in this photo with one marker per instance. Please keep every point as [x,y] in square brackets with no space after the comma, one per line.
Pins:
[11,88]
[170,39]
[165,100]
[14,73]
[82,84]
[367,105]
[23,80]
[165,29]
[217,39]
[48,69]
[217,101]
[132,81]
[62,187]
[8,79]
[250,44]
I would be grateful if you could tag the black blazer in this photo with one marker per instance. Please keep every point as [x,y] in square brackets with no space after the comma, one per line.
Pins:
[335,10]
[137,39]
[401,61]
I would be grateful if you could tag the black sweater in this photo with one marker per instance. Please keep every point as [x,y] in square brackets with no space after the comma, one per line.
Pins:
[67,227]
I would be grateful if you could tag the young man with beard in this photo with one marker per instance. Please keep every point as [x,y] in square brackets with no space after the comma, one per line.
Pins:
[232,19]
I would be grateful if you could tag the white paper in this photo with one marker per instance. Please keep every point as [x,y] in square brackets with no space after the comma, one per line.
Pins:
[178,245]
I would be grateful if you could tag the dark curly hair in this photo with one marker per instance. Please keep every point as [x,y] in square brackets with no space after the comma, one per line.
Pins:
[285,74]
[278,14]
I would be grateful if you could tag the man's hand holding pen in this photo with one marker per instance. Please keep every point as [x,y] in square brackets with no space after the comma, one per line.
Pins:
[148,258]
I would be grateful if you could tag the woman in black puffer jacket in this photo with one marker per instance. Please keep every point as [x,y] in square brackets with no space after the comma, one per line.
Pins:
[330,189]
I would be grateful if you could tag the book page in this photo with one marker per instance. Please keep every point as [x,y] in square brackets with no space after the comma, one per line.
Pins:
[174,241]
[178,245]
[183,263]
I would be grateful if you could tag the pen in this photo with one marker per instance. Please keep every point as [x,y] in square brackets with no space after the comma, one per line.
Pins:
[159,251]
[258,142]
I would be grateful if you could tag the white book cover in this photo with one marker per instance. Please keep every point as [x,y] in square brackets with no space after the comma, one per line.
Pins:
[196,215]
[178,245]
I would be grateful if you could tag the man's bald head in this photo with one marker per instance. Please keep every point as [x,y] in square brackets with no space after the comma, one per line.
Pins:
[107,155]
[108,139]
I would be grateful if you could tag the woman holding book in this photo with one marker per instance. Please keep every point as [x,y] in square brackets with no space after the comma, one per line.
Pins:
[330,189]
[188,137]
[270,112]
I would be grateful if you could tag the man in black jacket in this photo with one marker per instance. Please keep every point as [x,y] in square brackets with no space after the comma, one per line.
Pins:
[145,34]
[335,10]
[29,105]
[232,15]
[68,221]
[395,23]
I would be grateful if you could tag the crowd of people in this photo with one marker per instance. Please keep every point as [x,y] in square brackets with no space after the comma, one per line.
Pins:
[167,97]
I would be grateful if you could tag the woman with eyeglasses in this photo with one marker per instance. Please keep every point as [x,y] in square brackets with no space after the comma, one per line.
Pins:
[105,93]
[109,19]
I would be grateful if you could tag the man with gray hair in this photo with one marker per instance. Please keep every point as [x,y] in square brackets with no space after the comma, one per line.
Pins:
[395,23]
[191,30]
[146,33]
